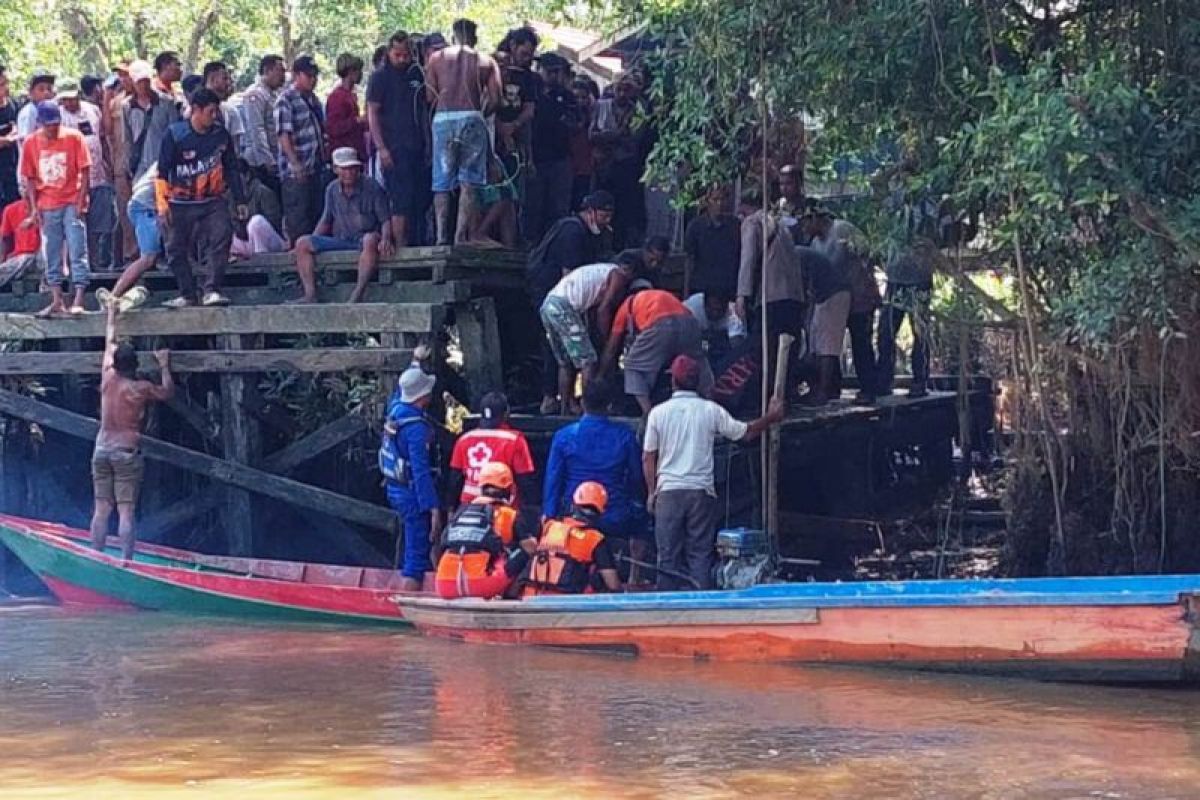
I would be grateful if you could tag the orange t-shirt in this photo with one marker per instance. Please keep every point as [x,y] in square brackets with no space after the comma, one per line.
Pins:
[25,240]
[646,308]
[55,167]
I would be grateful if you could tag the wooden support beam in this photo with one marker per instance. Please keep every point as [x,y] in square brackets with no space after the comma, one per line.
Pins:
[240,475]
[331,359]
[281,463]
[241,441]
[479,338]
[343,318]
[162,288]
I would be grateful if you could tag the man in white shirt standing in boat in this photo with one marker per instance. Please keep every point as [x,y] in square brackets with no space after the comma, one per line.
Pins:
[677,457]
[117,460]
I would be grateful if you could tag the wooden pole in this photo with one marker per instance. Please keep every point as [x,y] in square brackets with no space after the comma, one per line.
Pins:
[240,444]
[772,508]
[763,461]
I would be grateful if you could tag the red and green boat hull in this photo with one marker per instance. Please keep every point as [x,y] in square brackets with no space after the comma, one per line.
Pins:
[166,579]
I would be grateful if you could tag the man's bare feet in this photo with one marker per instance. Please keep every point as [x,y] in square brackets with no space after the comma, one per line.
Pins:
[303,300]
[356,296]
[52,310]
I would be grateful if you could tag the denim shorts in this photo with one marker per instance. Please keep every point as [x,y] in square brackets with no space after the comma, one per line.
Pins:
[329,244]
[145,228]
[460,150]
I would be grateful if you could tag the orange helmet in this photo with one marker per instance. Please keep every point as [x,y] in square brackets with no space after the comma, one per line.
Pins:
[590,493]
[497,476]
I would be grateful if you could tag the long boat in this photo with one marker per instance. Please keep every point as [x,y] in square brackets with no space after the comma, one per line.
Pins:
[1105,629]
[169,579]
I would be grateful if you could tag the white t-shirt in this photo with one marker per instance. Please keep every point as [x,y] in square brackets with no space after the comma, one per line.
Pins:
[583,286]
[682,431]
[731,325]
[90,113]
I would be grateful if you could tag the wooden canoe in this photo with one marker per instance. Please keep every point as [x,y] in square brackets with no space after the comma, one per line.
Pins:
[167,579]
[1104,630]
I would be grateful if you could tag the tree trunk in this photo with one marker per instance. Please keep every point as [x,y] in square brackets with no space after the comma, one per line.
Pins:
[285,30]
[200,29]
[94,50]
[139,36]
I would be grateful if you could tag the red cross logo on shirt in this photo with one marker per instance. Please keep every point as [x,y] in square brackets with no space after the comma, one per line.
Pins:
[479,454]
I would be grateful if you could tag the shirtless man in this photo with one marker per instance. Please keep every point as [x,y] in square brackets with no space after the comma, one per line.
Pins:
[463,85]
[117,459]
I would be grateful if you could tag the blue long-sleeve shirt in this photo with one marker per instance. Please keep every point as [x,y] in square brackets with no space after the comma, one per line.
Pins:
[414,442]
[594,449]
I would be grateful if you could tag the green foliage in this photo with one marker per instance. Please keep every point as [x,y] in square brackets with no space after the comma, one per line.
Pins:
[72,36]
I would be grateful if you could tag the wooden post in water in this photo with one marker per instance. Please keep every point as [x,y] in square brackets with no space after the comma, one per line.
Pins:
[772,444]
[240,442]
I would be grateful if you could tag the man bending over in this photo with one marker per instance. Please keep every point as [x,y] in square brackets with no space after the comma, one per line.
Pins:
[117,460]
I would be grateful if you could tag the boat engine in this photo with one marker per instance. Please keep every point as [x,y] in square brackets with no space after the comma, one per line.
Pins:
[744,558]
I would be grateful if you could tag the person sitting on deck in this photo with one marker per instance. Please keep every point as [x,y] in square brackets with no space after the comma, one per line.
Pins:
[607,452]
[571,551]
[565,313]
[475,561]
[356,217]
[20,240]
[407,463]
[117,459]
[657,327]
[494,441]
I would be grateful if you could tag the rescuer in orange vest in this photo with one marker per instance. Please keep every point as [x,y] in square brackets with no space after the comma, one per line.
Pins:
[475,559]
[571,550]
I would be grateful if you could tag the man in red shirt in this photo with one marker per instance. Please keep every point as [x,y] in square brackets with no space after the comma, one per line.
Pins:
[55,165]
[493,441]
[659,328]
[20,241]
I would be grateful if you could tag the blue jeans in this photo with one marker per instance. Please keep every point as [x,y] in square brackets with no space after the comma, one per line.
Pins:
[59,225]
[417,529]
[460,150]
[329,244]
[145,228]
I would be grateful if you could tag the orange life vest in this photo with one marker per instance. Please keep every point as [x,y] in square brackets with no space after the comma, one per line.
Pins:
[475,538]
[562,563]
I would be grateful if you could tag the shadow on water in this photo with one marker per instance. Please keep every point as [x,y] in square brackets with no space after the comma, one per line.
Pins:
[146,705]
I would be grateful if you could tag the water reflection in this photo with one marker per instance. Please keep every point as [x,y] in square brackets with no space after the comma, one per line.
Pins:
[145,705]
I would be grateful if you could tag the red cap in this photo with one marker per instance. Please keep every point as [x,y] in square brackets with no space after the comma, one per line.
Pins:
[685,371]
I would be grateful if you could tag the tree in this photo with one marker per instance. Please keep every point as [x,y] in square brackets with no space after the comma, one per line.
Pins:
[1063,133]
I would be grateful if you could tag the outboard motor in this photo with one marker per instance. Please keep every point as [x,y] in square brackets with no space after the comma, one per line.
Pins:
[744,558]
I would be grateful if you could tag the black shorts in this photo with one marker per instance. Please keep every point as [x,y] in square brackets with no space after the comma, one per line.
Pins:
[408,183]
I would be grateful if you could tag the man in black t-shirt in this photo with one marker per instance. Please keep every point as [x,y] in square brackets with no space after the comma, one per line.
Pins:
[556,116]
[399,119]
[8,144]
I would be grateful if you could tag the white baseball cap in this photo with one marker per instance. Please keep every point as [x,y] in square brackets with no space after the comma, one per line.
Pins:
[346,157]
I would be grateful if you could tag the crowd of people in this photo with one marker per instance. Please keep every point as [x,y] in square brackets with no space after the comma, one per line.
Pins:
[448,144]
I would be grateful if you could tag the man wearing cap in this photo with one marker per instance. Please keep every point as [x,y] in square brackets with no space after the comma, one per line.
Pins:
[571,242]
[197,166]
[55,165]
[494,441]
[300,124]
[85,117]
[147,115]
[556,116]
[677,457]
[657,328]
[407,462]
[355,217]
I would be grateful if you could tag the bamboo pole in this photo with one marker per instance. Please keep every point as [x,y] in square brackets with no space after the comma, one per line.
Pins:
[764,458]
[772,508]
